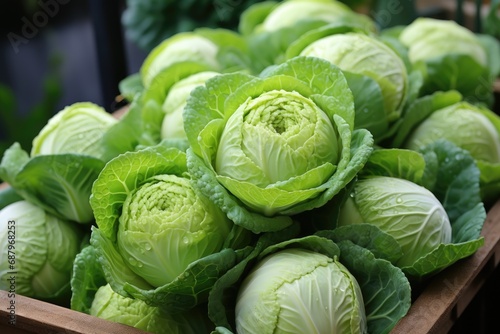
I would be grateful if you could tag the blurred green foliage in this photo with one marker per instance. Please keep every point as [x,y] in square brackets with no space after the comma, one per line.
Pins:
[492,20]
[148,22]
[16,127]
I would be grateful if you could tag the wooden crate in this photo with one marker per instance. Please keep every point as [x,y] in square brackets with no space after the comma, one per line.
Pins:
[34,316]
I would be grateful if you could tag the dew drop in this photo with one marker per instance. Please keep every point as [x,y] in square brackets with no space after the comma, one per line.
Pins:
[399,200]
[147,247]
[458,156]
[185,240]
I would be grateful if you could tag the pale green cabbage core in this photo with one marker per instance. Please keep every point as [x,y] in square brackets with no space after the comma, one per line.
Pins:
[429,38]
[165,226]
[465,126]
[362,54]
[173,106]
[45,248]
[289,12]
[77,129]
[274,137]
[179,48]
[300,291]
[408,212]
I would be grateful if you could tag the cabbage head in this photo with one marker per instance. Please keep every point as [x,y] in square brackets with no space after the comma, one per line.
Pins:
[165,226]
[451,56]
[405,210]
[266,147]
[78,128]
[66,158]
[274,16]
[112,306]
[428,38]
[300,291]
[185,46]
[38,250]
[156,234]
[216,49]
[363,54]
[175,101]
[471,130]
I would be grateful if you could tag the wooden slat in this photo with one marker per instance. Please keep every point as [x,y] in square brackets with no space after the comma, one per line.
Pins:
[443,301]
[34,316]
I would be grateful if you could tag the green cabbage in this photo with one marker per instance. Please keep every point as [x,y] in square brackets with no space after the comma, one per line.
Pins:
[407,211]
[450,56]
[157,237]
[38,250]
[78,128]
[289,12]
[428,38]
[111,306]
[165,226]
[362,54]
[175,101]
[264,148]
[471,130]
[300,291]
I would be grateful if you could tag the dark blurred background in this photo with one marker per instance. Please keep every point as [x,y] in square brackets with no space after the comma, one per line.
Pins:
[57,41]
[54,53]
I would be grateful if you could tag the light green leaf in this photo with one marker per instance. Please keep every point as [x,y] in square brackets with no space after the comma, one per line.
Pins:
[61,184]
[255,15]
[116,271]
[87,278]
[125,173]
[401,163]
[206,182]
[130,86]
[13,161]
[206,104]
[325,79]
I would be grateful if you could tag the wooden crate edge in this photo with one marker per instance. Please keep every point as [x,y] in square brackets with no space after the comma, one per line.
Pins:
[445,298]
[35,316]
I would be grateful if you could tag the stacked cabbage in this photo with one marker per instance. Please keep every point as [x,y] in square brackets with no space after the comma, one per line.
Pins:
[294,176]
